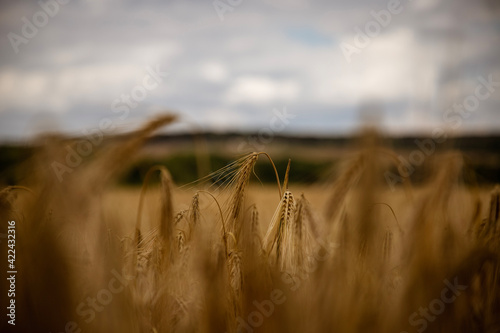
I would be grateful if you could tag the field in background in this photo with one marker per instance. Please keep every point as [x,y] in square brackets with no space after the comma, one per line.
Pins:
[121,203]
[189,157]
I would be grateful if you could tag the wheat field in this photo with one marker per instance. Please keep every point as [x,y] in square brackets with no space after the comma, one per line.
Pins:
[227,254]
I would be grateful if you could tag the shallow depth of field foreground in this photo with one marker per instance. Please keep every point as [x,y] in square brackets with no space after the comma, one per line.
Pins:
[227,254]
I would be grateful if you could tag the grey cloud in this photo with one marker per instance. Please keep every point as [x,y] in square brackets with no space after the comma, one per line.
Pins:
[263,39]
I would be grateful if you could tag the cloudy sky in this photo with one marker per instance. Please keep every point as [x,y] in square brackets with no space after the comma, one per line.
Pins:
[233,64]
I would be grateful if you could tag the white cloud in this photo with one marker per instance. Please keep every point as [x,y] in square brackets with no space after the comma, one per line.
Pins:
[261,89]
[214,72]
[223,119]
[56,91]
